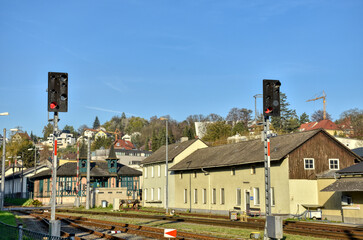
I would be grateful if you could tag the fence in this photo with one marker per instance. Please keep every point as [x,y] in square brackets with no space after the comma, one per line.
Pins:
[8,232]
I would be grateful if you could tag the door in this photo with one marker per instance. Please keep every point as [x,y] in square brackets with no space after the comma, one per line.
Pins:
[247,202]
[41,188]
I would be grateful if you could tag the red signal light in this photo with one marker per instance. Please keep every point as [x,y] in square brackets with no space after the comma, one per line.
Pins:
[268,110]
[53,105]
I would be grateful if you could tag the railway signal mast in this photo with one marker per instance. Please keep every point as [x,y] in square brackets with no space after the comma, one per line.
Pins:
[57,102]
[271,107]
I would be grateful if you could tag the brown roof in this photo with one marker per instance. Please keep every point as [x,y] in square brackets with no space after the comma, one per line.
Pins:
[244,152]
[98,169]
[173,151]
[345,185]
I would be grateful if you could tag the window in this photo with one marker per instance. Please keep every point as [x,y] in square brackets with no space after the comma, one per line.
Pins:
[346,200]
[222,196]
[204,196]
[195,196]
[272,193]
[152,194]
[256,193]
[159,170]
[185,195]
[145,172]
[195,174]
[308,163]
[238,197]
[181,175]
[214,196]
[253,170]
[145,194]
[334,164]
[159,193]
[152,171]
[233,171]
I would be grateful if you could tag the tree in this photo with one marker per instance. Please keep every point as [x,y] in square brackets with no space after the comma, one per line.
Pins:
[239,128]
[101,142]
[47,130]
[71,130]
[319,115]
[96,123]
[81,128]
[214,117]
[217,133]
[304,118]
[287,117]
[239,115]
[135,124]
[354,118]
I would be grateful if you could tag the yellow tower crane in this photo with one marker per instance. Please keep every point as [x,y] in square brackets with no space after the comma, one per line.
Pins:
[324,103]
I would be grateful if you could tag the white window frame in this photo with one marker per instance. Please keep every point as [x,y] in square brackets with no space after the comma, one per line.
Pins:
[253,170]
[152,194]
[222,196]
[233,171]
[313,163]
[195,196]
[185,195]
[181,175]
[145,192]
[333,159]
[159,170]
[238,198]
[152,171]
[159,194]
[256,196]
[204,195]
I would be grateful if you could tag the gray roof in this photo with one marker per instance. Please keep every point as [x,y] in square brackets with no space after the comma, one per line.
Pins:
[246,152]
[98,169]
[351,170]
[358,151]
[173,151]
[345,185]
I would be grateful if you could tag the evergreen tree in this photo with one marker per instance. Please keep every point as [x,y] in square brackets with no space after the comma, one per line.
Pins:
[147,144]
[96,123]
[154,142]
[287,115]
[304,118]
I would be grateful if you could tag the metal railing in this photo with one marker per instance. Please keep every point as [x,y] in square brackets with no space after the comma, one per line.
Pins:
[9,232]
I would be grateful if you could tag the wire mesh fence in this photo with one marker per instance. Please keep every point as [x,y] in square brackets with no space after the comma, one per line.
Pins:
[8,232]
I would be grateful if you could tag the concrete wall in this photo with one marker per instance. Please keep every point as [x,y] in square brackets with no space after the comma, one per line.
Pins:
[302,191]
[108,194]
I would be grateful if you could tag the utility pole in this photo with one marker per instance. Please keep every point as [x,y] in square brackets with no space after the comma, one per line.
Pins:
[88,173]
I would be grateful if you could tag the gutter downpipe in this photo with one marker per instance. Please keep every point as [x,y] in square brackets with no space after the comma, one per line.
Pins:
[209,192]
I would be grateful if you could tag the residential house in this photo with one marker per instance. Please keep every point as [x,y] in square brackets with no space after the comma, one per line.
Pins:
[217,179]
[123,144]
[348,194]
[154,172]
[105,176]
[326,124]
[20,136]
[64,140]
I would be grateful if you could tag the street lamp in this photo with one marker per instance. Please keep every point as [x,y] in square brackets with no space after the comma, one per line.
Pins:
[166,166]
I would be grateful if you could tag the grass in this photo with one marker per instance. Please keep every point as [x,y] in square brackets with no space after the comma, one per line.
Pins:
[16,201]
[7,232]
[224,232]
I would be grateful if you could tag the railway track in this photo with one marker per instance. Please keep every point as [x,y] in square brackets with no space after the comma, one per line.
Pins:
[113,230]
[322,230]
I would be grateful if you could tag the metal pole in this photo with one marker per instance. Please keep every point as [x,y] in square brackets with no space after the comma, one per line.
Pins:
[35,159]
[166,169]
[88,173]
[3,174]
[266,125]
[55,225]
[77,184]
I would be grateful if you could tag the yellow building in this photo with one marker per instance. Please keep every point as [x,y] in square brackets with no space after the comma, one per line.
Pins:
[222,178]
[154,174]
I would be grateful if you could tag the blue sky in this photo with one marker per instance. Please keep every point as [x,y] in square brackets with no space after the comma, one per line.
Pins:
[176,58]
